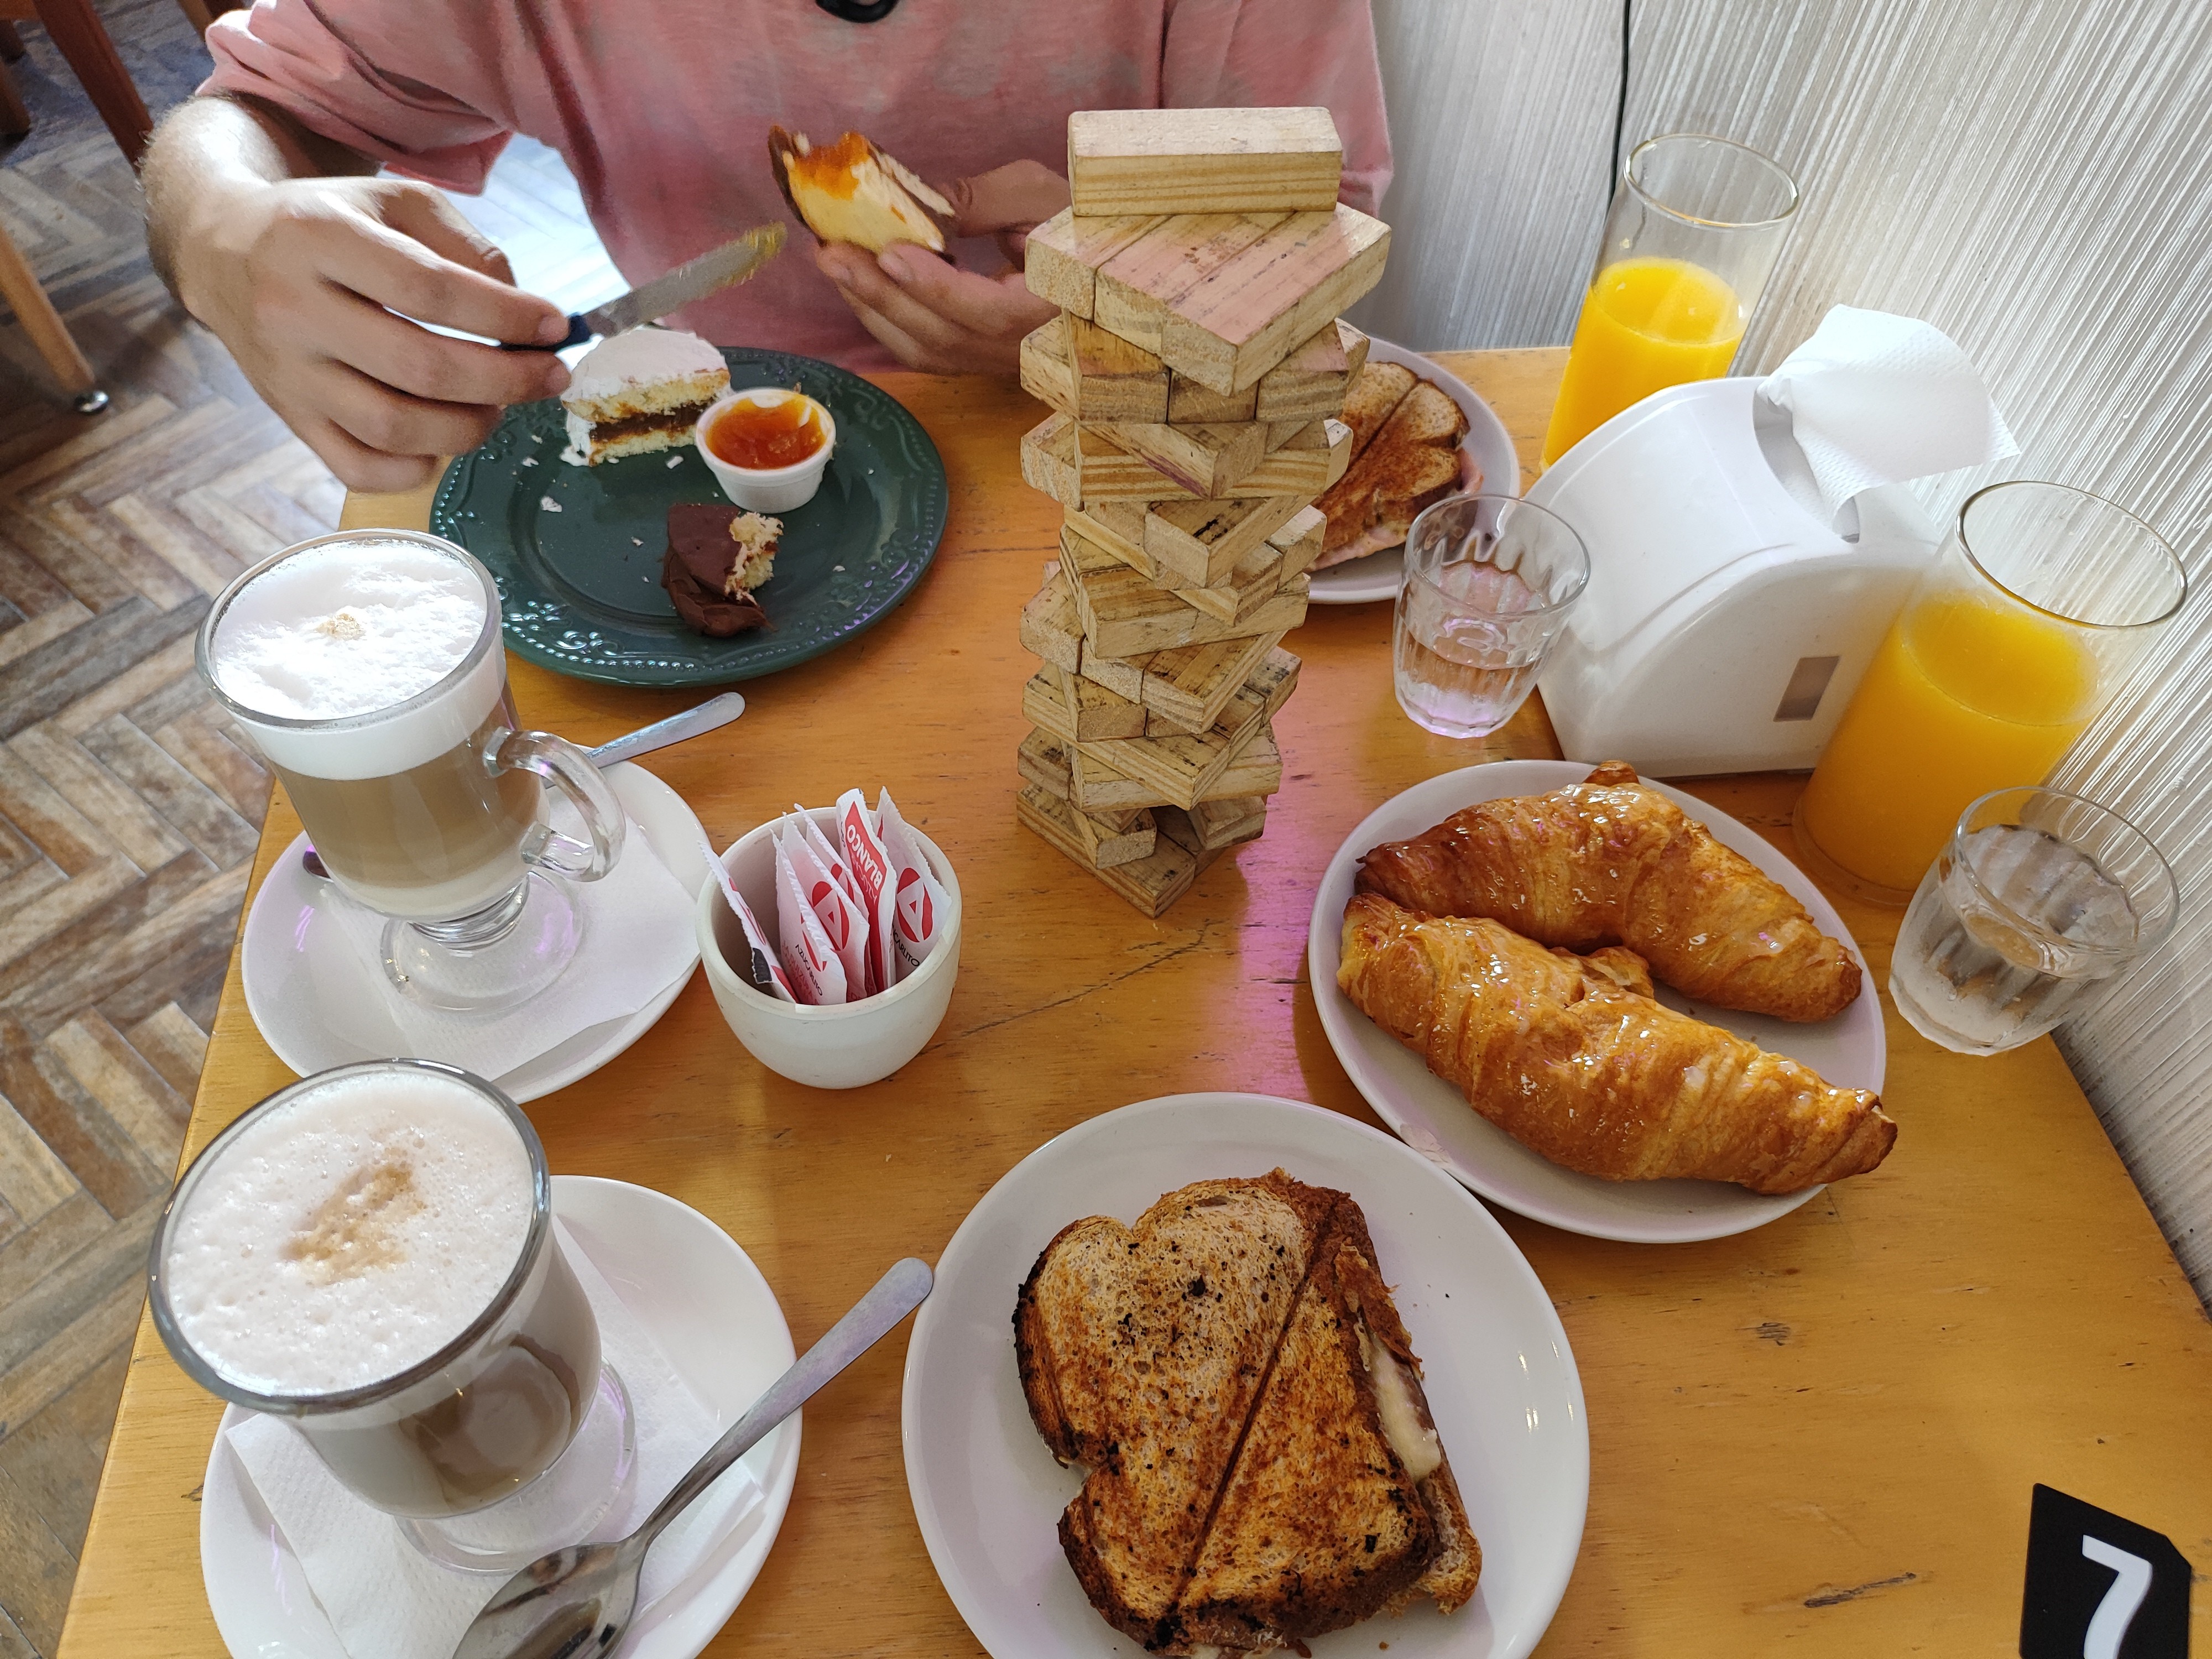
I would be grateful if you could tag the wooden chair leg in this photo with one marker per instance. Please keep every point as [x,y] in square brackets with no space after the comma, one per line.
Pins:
[78,34]
[14,114]
[20,286]
[11,44]
[199,12]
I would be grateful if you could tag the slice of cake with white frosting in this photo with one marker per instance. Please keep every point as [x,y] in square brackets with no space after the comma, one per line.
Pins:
[639,390]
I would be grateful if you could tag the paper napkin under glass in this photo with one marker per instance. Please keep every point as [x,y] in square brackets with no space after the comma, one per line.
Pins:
[387,1601]
[1873,399]
[639,937]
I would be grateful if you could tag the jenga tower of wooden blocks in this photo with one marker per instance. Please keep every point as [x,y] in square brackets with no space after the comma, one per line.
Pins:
[1194,374]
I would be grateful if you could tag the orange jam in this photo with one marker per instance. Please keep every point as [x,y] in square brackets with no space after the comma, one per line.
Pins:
[761,437]
[833,169]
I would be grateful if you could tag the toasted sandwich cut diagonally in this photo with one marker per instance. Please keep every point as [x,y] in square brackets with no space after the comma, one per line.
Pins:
[851,191]
[1414,461]
[1263,1466]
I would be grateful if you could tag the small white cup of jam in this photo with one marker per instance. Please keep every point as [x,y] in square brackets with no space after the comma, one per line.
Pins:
[768,446]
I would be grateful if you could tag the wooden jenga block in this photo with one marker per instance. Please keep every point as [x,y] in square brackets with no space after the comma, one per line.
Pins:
[1202,161]
[1312,380]
[1046,375]
[1094,840]
[1191,684]
[1301,540]
[1123,615]
[1063,254]
[1252,584]
[1306,464]
[1186,768]
[1205,461]
[1150,883]
[1212,826]
[1077,464]
[1186,687]
[1043,761]
[1250,310]
[1118,527]
[1048,461]
[1137,286]
[1173,762]
[1190,403]
[1113,380]
[1203,541]
[1256,769]
[1049,627]
[1094,712]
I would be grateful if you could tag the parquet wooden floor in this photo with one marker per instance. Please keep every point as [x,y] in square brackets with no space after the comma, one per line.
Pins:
[129,809]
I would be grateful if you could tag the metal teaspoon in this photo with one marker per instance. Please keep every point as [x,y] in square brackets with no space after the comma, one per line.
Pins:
[577,1601]
[676,728]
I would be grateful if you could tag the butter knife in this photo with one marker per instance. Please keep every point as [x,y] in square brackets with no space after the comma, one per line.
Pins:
[694,279]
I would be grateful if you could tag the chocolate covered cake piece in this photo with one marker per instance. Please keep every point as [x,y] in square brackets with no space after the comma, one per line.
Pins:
[717,555]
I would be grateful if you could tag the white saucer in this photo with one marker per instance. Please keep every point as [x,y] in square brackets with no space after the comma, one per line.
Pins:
[1499,1376]
[1850,1050]
[715,1319]
[283,926]
[1362,582]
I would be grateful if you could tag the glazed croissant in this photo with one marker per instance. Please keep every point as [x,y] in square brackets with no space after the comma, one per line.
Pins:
[1555,1052]
[1608,861]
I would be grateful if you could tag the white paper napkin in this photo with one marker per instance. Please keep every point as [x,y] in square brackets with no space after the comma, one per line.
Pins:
[1874,399]
[638,938]
[386,1600]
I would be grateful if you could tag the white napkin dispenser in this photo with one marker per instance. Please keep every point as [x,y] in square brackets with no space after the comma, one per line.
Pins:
[1725,626]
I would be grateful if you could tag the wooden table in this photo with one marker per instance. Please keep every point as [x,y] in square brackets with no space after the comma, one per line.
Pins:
[1823,1433]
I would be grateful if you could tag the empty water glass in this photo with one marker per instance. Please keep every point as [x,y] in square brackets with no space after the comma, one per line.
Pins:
[2026,919]
[1489,581]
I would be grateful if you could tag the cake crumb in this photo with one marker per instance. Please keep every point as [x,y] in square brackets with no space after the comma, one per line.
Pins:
[341,625]
[547,504]
[676,461]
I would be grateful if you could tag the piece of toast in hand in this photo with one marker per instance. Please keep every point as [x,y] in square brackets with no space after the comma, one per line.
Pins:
[851,191]
[1263,1465]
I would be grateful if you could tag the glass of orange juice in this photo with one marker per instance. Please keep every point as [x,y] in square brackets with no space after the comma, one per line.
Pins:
[1690,241]
[2014,640]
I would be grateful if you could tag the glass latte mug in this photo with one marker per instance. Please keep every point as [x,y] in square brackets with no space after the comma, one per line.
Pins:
[367,667]
[370,1254]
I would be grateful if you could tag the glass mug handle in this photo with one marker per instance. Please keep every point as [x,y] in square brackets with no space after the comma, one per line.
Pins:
[568,769]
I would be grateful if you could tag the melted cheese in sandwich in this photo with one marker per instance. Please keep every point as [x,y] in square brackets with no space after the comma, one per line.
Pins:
[1415,1442]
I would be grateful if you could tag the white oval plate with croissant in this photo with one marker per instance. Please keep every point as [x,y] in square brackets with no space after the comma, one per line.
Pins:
[1847,1049]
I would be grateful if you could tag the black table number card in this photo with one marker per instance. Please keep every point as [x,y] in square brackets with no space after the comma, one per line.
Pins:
[2100,1587]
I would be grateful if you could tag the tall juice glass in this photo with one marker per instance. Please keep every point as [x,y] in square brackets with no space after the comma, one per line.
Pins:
[1690,241]
[2015,638]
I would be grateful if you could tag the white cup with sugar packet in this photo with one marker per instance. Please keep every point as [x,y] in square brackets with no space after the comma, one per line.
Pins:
[829,1037]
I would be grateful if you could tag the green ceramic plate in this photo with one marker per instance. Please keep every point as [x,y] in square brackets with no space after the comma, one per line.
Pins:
[576,551]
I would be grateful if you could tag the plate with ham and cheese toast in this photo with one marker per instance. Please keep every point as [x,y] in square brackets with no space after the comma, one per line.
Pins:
[1600,1002]
[1419,434]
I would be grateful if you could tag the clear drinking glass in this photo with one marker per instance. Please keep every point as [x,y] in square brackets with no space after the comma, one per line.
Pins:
[1690,240]
[1489,581]
[2014,641]
[2026,919]
[428,810]
[510,1438]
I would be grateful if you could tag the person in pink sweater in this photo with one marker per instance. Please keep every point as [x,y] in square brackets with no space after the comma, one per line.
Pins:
[268,219]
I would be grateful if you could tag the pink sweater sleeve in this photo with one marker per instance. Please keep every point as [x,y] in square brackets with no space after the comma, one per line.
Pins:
[1258,53]
[286,53]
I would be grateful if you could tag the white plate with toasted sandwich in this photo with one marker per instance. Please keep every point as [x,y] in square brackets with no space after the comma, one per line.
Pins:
[1503,1400]
[1487,461]
[1848,1050]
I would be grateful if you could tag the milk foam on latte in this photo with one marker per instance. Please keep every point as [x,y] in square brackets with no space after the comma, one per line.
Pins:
[347,628]
[349,1234]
